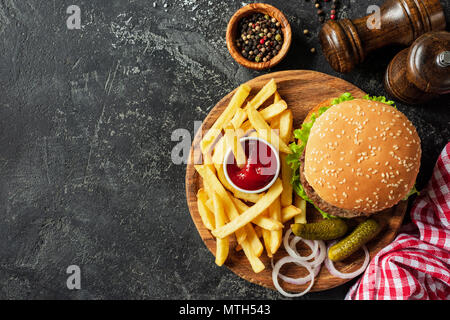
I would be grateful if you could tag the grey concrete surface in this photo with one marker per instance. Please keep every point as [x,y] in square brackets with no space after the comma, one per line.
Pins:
[86,117]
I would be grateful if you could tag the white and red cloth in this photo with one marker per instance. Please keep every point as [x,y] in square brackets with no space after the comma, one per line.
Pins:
[417,264]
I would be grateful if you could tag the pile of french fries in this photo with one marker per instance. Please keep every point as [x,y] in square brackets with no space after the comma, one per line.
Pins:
[256,220]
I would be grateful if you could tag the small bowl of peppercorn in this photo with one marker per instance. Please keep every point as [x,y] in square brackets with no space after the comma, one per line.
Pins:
[258,36]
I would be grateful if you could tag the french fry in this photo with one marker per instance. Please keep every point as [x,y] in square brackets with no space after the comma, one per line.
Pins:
[266,236]
[286,122]
[252,236]
[213,183]
[246,126]
[276,97]
[258,231]
[301,204]
[210,205]
[252,233]
[235,103]
[286,175]
[288,213]
[264,94]
[253,240]
[261,221]
[269,114]
[239,118]
[275,124]
[274,110]
[275,236]
[265,131]
[219,152]
[255,262]
[232,141]
[206,214]
[250,214]
[208,161]
[222,244]
[220,205]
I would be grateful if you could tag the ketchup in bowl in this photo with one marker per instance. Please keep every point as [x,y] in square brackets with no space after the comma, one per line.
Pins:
[260,169]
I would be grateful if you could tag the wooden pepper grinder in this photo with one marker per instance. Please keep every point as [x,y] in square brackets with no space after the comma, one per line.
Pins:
[345,43]
[421,72]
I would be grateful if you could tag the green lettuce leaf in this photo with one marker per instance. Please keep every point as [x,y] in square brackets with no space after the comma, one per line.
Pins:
[344,97]
[381,99]
[411,192]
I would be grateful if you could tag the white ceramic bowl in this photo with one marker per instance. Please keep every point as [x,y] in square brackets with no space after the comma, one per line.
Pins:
[227,157]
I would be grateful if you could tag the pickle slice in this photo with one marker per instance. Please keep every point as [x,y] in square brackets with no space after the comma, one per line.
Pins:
[362,234]
[328,229]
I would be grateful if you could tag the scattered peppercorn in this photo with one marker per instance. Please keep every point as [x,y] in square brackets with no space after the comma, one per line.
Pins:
[260,37]
[313,50]
[306,31]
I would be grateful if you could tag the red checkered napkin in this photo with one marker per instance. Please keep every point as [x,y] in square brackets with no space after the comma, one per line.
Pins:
[417,264]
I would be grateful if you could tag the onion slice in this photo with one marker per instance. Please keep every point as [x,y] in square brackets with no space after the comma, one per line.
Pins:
[318,256]
[292,250]
[322,254]
[276,274]
[313,245]
[331,268]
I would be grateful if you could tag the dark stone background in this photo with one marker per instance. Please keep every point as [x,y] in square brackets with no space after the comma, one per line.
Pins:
[86,118]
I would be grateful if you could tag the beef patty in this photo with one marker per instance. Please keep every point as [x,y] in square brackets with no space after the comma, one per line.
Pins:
[322,204]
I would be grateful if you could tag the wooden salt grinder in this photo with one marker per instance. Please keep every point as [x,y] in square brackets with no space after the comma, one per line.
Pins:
[421,72]
[345,43]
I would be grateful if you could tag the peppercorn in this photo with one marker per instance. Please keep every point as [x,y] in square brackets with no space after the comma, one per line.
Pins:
[306,31]
[260,37]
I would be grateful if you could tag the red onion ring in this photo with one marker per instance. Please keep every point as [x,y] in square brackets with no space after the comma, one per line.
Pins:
[276,274]
[331,268]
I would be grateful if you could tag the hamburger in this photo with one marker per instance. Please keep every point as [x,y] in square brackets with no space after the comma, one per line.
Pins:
[355,157]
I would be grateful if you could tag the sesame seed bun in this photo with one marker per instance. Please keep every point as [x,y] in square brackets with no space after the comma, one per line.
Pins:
[362,155]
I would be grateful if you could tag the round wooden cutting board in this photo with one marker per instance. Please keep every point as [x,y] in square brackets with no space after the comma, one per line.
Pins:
[302,90]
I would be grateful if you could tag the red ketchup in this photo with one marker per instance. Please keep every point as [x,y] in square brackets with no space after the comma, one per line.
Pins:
[258,171]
